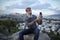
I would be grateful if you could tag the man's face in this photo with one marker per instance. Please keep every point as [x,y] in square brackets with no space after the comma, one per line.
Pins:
[28,11]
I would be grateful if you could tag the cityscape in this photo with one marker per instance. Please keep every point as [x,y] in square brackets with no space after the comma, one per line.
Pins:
[49,23]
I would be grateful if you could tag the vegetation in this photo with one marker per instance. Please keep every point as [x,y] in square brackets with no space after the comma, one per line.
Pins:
[52,35]
[8,26]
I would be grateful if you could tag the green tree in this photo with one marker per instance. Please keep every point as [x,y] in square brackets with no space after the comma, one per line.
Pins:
[8,26]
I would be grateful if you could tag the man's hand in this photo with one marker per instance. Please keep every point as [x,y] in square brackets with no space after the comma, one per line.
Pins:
[39,18]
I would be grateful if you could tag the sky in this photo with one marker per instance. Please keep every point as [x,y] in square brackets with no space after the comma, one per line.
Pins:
[47,7]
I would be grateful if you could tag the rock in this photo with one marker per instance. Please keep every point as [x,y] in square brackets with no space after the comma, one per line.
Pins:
[29,37]
[3,36]
[42,36]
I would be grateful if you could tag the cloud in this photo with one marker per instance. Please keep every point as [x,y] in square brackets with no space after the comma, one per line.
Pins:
[11,4]
[35,12]
[46,6]
[41,6]
[54,3]
[18,11]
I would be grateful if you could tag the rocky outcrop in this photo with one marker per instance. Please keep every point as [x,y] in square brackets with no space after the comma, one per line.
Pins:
[42,36]
[3,36]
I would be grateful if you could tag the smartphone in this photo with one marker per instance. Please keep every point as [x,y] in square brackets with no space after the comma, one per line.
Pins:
[40,15]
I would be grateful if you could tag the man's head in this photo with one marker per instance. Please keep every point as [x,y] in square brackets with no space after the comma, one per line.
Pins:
[28,11]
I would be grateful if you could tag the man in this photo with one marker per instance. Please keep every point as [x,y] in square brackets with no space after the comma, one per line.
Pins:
[30,21]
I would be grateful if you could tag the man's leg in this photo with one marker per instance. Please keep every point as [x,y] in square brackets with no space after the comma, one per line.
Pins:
[24,32]
[36,34]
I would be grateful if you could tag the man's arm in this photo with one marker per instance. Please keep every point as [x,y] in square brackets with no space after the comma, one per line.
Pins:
[37,19]
[32,22]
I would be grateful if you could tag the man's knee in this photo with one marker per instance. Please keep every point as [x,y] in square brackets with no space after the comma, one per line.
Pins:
[37,32]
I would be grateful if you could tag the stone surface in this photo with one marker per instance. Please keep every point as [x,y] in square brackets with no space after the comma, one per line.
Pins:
[42,36]
[3,36]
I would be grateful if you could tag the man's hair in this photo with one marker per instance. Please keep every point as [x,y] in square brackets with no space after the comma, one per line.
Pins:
[28,8]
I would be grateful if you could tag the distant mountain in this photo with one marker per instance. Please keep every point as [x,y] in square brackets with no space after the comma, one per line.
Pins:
[14,16]
[55,15]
